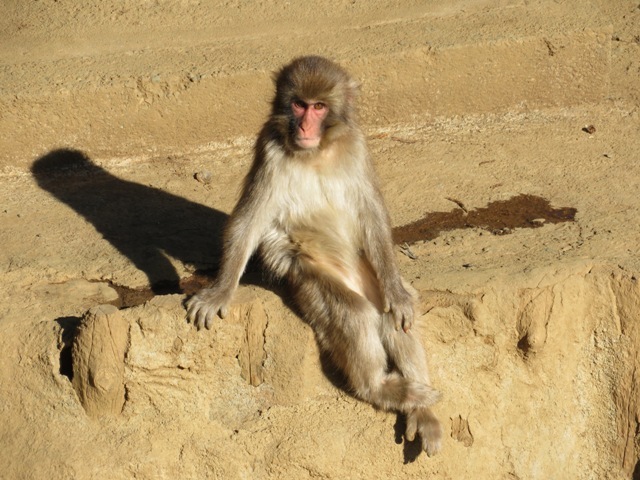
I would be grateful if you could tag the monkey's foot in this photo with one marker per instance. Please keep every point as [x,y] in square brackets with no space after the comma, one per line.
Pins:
[205,305]
[423,422]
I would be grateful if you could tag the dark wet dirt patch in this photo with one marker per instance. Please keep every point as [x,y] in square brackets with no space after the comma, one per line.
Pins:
[499,218]
[131,297]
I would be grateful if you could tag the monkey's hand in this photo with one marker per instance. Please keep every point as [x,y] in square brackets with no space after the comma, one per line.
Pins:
[206,304]
[399,303]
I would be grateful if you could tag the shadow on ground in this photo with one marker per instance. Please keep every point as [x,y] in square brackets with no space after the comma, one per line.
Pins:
[144,223]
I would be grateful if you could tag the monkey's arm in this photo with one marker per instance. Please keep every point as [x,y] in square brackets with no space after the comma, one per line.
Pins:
[378,248]
[245,228]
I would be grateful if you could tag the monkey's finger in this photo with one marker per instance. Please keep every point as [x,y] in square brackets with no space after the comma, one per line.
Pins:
[397,317]
[197,319]
[208,317]
[192,316]
[201,316]
[407,323]
[193,307]
[224,311]
[386,308]
[192,313]
[190,310]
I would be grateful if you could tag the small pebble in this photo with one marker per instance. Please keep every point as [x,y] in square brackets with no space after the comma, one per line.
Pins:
[203,177]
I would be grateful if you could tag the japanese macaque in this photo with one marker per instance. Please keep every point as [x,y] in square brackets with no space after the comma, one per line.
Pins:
[312,208]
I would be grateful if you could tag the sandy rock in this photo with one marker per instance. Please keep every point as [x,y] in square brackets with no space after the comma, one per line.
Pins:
[98,360]
[532,334]
[78,293]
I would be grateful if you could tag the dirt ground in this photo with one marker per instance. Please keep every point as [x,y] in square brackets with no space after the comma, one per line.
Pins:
[506,135]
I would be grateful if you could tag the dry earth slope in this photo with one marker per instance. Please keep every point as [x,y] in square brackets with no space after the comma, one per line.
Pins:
[505,132]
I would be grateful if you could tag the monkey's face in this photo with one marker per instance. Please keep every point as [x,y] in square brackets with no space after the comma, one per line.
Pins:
[308,117]
[312,104]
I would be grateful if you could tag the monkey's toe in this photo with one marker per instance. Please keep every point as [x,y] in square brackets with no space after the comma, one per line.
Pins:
[423,422]
[412,428]
[431,447]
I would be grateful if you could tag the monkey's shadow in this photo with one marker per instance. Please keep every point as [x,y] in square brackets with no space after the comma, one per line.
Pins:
[145,224]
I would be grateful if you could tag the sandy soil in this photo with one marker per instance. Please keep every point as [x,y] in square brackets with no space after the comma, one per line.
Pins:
[505,134]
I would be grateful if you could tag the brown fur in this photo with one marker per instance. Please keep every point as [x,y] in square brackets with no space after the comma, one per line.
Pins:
[318,219]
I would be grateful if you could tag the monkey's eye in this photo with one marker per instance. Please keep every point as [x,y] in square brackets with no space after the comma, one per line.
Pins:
[299,104]
[319,106]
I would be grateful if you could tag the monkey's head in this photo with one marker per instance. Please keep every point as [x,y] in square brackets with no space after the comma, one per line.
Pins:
[313,102]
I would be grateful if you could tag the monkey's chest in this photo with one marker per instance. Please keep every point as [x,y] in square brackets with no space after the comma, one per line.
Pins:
[326,210]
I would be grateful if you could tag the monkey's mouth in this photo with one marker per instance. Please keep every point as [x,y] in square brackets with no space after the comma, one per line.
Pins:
[308,142]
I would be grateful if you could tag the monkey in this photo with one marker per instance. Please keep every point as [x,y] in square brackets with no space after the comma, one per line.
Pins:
[312,208]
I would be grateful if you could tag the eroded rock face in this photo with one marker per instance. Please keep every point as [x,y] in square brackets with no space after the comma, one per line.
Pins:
[259,356]
[538,373]
[625,293]
[98,360]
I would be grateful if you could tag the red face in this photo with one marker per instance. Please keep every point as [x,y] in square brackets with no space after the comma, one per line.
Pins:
[308,121]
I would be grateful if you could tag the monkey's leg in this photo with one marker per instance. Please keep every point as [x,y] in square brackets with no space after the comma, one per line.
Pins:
[408,356]
[406,352]
[367,372]
[348,328]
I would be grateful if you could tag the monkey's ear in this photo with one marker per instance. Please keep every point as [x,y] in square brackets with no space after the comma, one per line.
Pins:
[282,86]
[352,91]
